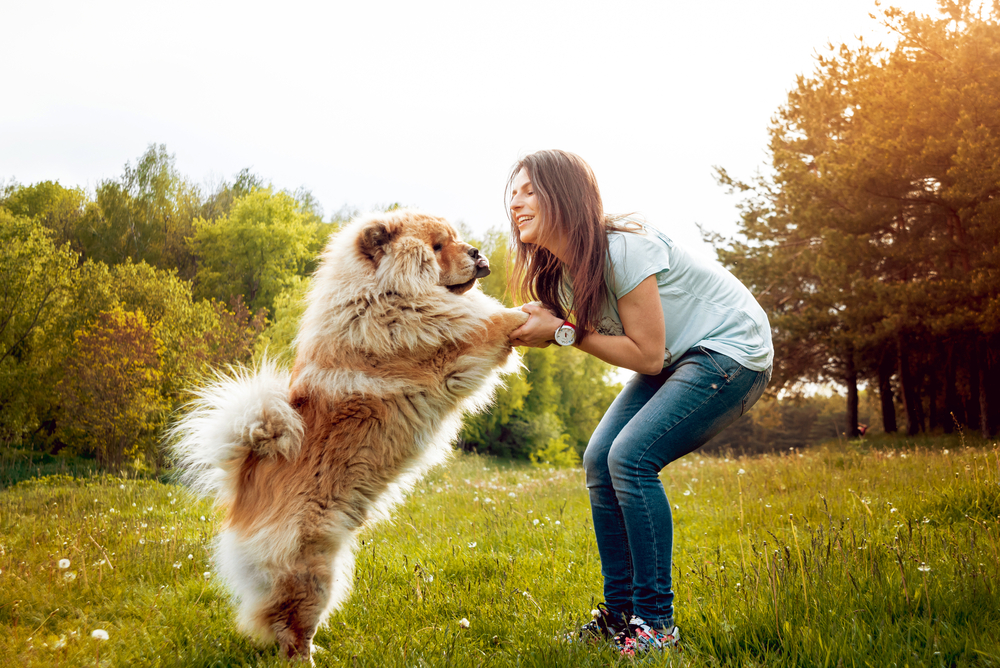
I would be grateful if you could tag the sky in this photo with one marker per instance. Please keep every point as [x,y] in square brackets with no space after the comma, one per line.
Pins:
[428,103]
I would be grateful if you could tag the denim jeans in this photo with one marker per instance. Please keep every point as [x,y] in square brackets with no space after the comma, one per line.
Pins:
[654,421]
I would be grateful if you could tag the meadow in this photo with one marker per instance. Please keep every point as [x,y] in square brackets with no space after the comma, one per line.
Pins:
[879,553]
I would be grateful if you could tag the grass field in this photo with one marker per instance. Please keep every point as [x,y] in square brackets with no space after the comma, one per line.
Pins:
[879,554]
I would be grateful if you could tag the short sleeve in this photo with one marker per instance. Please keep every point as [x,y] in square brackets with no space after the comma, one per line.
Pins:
[634,256]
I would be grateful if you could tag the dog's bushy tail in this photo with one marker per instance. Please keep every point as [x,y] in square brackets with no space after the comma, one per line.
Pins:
[231,416]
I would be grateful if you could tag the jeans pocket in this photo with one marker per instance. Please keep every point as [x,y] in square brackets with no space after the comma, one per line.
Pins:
[724,365]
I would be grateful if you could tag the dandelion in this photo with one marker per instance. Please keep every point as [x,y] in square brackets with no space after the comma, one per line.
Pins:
[464,623]
[558,522]
[893,510]
[207,575]
[122,486]
[512,495]
[99,634]
[487,500]
[472,544]
[70,576]
[676,507]
[190,556]
[64,564]
[687,492]
[177,564]
[202,518]
[169,494]
[475,499]
[741,472]
[923,567]
[945,451]
[534,522]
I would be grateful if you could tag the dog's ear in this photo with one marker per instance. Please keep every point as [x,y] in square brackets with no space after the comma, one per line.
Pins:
[374,238]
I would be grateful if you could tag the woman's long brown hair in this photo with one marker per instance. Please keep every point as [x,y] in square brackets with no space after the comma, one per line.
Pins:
[570,205]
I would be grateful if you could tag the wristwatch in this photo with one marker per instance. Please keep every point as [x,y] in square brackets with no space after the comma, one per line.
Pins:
[566,334]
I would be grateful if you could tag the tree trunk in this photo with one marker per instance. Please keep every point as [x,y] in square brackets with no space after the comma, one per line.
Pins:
[906,384]
[972,410]
[851,380]
[987,403]
[951,405]
[885,369]
[934,402]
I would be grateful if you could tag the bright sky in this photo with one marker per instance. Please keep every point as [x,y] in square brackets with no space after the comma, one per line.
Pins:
[428,103]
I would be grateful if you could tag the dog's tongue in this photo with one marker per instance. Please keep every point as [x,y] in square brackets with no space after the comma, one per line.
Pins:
[482,267]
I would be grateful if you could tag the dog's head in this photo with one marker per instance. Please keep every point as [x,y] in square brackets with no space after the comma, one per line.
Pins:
[410,252]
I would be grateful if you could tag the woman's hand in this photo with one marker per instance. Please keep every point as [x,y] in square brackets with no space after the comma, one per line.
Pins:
[539,330]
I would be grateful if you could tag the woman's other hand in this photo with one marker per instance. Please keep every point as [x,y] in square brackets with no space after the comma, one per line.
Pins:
[540,329]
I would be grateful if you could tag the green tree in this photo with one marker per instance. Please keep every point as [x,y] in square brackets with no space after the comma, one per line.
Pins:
[111,389]
[58,209]
[34,280]
[255,251]
[873,246]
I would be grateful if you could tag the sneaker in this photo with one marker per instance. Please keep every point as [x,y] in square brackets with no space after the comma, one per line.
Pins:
[605,625]
[638,637]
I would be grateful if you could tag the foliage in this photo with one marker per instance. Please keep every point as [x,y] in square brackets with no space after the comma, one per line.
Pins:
[256,250]
[863,554]
[110,394]
[558,453]
[874,244]
[278,341]
[34,277]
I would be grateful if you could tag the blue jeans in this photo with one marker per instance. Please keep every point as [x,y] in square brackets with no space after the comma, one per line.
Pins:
[654,421]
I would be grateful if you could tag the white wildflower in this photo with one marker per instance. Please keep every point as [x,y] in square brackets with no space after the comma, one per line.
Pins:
[534,522]
[64,564]
[464,623]
[741,472]
[70,576]
[473,544]
[923,567]
[687,492]
[100,634]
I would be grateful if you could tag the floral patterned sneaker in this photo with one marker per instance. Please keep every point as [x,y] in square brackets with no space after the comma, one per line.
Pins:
[639,638]
[605,625]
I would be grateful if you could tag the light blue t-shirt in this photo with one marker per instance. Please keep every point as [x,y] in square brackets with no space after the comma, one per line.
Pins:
[703,304]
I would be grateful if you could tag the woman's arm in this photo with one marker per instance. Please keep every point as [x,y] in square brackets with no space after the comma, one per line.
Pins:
[640,349]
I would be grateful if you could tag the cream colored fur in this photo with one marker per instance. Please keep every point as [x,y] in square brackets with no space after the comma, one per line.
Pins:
[388,360]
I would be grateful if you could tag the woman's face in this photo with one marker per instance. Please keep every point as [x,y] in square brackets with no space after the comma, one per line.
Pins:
[524,208]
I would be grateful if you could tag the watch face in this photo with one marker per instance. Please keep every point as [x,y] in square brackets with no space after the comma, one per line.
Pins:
[565,335]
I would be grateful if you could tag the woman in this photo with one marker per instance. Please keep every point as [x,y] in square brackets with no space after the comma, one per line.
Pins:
[698,340]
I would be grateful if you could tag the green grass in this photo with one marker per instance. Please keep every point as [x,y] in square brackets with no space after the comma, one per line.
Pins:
[879,554]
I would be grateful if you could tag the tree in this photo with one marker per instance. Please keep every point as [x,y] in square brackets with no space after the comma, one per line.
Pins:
[58,209]
[873,246]
[110,393]
[255,251]
[34,280]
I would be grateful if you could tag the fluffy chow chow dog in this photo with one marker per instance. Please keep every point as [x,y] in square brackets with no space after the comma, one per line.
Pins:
[395,344]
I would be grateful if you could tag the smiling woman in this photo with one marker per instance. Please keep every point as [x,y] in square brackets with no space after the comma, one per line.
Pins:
[700,345]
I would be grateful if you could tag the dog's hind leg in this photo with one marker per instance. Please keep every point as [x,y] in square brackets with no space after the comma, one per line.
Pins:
[299,599]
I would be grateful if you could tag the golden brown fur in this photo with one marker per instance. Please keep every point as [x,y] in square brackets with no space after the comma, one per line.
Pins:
[395,344]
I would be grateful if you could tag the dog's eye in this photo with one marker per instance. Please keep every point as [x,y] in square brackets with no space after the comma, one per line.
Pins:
[437,248]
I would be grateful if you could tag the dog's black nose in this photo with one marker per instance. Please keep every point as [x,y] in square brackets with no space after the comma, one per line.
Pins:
[474,253]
